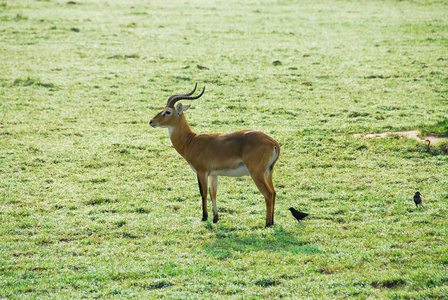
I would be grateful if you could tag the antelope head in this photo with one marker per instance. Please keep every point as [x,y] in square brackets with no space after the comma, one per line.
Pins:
[170,116]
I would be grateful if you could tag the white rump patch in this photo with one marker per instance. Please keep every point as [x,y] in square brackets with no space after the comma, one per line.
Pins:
[274,157]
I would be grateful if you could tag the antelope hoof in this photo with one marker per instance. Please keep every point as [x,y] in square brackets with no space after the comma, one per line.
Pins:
[269,224]
[204,217]
[215,219]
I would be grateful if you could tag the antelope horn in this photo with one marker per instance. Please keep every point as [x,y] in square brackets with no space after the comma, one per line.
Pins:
[188,94]
[174,98]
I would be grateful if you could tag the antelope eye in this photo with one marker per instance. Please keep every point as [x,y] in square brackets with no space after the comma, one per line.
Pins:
[167,112]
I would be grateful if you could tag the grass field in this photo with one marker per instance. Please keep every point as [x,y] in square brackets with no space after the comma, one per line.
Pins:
[94,203]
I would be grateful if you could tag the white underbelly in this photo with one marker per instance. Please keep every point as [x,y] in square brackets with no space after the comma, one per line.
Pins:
[241,170]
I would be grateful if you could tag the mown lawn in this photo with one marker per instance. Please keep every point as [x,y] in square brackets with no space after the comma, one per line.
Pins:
[94,203]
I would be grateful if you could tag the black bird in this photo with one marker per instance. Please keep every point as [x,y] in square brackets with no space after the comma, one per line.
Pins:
[297,214]
[418,199]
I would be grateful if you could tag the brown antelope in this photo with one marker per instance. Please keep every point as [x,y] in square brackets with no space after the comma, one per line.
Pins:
[235,154]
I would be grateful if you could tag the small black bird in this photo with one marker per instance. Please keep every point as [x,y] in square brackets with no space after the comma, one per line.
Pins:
[418,199]
[297,214]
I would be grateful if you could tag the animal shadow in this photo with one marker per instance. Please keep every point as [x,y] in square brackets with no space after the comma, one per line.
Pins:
[229,240]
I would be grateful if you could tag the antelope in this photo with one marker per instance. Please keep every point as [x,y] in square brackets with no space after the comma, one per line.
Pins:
[236,154]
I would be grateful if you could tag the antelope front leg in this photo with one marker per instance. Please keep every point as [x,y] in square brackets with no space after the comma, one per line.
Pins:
[202,180]
[213,191]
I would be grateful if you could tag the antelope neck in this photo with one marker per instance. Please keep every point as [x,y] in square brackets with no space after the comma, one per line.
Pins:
[181,135]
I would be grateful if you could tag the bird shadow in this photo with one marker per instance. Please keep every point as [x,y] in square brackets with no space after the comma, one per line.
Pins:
[229,240]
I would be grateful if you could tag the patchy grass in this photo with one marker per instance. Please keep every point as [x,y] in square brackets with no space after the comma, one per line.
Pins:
[95,204]
[440,128]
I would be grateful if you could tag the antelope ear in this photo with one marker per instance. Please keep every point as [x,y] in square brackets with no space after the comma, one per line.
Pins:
[180,108]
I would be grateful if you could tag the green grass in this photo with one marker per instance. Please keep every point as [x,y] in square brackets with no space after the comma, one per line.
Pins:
[94,203]
[440,128]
